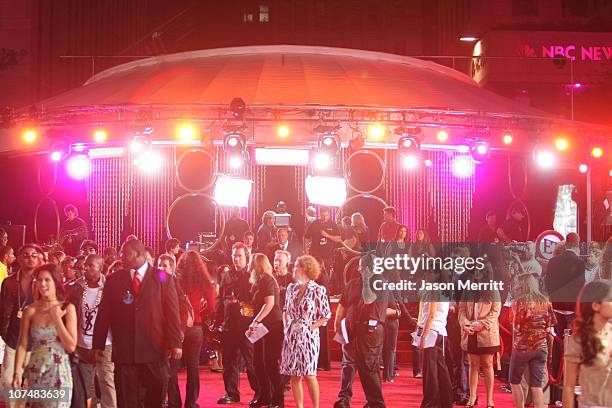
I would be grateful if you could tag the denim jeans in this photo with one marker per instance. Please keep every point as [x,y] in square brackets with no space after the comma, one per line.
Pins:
[192,345]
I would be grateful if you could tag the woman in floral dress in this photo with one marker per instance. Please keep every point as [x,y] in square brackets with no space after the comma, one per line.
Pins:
[49,325]
[306,309]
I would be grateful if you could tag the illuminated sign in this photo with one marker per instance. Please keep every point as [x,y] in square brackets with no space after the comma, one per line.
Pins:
[572,52]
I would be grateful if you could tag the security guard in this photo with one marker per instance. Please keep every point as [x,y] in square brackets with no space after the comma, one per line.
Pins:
[365,311]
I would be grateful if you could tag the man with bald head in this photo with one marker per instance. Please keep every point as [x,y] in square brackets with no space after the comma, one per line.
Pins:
[140,307]
[86,294]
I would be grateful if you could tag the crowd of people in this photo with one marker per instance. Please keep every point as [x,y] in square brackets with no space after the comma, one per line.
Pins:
[116,327]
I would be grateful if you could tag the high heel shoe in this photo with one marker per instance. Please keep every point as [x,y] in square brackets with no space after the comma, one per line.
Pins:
[472,405]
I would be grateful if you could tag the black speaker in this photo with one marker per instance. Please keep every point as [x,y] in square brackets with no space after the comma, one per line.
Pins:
[16,235]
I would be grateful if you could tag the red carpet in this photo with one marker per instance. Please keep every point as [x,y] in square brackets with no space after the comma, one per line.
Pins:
[404,392]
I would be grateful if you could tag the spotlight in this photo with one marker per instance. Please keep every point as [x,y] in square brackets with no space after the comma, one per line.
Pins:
[468,38]
[409,149]
[322,161]
[583,168]
[597,152]
[186,132]
[561,144]
[79,148]
[233,192]
[410,162]
[100,136]
[56,156]
[442,135]
[140,144]
[30,136]
[480,151]
[234,142]
[149,162]
[428,163]
[283,131]
[237,108]
[236,161]
[377,132]
[330,191]
[545,158]
[463,166]
[59,151]
[507,138]
[78,167]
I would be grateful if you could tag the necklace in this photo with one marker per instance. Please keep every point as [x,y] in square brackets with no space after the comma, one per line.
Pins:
[89,312]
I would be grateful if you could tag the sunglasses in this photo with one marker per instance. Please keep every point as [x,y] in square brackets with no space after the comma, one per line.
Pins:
[32,255]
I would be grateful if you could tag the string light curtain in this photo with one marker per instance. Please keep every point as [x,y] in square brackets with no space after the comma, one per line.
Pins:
[431,198]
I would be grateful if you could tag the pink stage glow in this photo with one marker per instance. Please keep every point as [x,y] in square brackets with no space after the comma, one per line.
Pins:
[78,167]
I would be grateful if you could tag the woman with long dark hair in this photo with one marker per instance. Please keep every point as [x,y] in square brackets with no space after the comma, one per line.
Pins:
[422,244]
[478,317]
[588,358]
[194,280]
[50,326]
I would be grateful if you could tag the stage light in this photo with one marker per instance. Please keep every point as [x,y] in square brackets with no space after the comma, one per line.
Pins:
[149,162]
[376,132]
[610,173]
[234,142]
[463,166]
[428,163]
[233,192]
[583,168]
[442,135]
[283,131]
[410,162]
[561,144]
[187,132]
[322,161]
[236,161]
[545,158]
[507,138]
[78,167]
[597,152]
[467,38]
[56,156]
[330,191]
[480,151]
[100,136]
[140,144]
[30,136]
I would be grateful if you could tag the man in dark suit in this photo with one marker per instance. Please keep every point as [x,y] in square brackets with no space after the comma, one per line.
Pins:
[140,305]
[564,279]
[283,243]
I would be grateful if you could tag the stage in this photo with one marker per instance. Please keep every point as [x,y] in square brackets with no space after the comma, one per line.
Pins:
[404,392]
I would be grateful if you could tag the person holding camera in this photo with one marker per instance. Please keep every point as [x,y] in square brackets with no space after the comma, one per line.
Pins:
[478,317]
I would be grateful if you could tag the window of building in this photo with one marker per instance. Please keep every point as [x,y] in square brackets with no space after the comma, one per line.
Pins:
[264,14]
[524,8]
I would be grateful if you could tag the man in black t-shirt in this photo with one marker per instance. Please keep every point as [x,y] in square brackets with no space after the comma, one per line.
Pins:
[235,228]
[365,311]
[317,238]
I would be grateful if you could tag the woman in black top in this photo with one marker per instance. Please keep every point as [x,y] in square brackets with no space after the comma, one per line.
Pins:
[267,353]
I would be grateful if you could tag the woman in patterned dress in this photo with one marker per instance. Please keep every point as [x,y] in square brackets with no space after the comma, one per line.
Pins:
[306,309]
[50,326]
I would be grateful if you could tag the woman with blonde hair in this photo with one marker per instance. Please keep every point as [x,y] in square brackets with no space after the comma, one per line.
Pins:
[532,326]
[267,350]
[306,309]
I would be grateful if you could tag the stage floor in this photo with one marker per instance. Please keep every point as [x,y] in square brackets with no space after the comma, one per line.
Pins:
[404,392]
